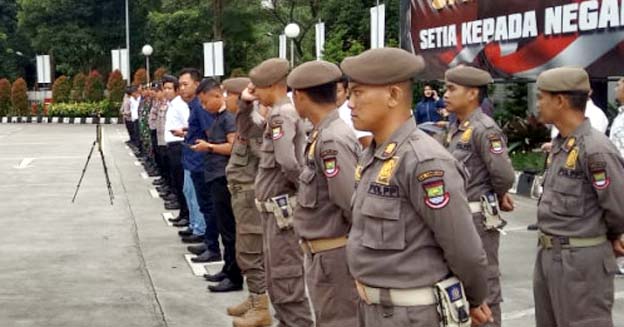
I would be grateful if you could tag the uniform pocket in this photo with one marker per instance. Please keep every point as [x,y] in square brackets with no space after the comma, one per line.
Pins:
[288,284]
[307,196]
[239,155]
[383,228]
[267,159]
[567,198]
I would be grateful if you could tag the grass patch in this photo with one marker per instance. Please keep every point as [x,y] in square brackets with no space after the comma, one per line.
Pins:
[531,161]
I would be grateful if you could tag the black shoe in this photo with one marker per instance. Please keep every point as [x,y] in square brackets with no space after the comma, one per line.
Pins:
[225,285]
[176,219]
[197,249]
[207,256]
[172,206]
[193,239]
[185,232]
[181,223]
[170,198]
[532,227]
[216,278]
[159,182]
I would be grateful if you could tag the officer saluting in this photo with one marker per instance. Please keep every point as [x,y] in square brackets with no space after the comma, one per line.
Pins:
[323,215]
[476,141]
[581,209]
[412,239]
[281,156]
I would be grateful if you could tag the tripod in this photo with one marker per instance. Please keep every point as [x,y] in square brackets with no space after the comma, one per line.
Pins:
[98,142]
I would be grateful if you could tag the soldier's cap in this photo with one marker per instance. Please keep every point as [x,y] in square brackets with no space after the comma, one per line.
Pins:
[382,66]
[236,84]
[269,72]
[564,79]
[468,76]
[313,73]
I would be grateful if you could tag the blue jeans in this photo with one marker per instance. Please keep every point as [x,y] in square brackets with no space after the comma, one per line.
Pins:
[196,218]
[204,198]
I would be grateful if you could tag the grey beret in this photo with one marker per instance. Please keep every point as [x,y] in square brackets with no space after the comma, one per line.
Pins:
[382,66]
[468,76]
[269,72]
[564,79]
[313,73]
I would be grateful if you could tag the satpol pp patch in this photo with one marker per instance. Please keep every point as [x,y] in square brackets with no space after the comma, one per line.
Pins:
[277,132]
[331,168]
[496,146]
[600,180]
[436,196]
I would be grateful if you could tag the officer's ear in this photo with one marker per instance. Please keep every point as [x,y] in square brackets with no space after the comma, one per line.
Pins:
[399,94]
[473,94]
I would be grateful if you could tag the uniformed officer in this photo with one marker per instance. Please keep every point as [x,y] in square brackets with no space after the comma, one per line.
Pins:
[323,214]
[581,209]
[476,141]
[241,172]
[412,227]
[281,156]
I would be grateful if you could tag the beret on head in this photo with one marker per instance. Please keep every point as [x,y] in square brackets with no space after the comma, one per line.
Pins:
[313,73]
[382,66]
[236,85]
[468,76]
[269,72]
[564,79]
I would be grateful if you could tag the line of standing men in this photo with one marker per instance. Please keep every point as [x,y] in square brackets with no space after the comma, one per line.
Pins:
[406,232]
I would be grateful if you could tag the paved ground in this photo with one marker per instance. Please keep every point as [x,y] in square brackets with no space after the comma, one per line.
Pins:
[93,264]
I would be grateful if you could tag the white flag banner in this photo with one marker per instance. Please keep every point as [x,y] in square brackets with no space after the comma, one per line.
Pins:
[213,59]
[44,74]
[378,26]
[282,46]
[119,59]
[320,40]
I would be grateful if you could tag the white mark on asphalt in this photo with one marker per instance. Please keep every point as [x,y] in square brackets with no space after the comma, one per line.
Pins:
[166,216]
[137,163]
[144,175]
[25,163]
[154,193]
[199,269]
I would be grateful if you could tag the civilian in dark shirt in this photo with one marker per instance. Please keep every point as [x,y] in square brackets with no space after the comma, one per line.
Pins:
[218,145]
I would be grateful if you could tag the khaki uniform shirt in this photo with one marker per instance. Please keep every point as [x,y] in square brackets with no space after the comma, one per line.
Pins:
[480,145]
[243,165]
[326,182]
[411,222]
[160,123]
[152,120]
[583,187]
[281,152]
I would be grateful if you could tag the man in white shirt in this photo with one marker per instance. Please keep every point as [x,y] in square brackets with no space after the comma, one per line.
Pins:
[176,120]
[134,101]
[344,112]
[617,137]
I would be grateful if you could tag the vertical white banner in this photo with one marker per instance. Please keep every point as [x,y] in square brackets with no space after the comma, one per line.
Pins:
[119,60]
[44,75]
[282,46]
[378,26]
[320,40]
[213,59]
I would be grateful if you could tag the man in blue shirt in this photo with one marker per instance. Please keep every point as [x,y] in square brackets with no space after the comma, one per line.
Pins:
[428,109]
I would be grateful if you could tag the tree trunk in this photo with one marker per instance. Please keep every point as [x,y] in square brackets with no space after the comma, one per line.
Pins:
[217,26]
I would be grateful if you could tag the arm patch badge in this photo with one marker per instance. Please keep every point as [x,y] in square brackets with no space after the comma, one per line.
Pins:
[436,196]
[600,180]
[330,166]
[277,132]
[496,146]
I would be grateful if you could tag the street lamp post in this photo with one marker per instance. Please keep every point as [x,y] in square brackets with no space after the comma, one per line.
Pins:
[292,31]
[147,52]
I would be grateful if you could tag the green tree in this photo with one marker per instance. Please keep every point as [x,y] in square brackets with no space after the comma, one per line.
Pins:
[115,86]
[94,87]
[5,97]
[78,85]
[61,90]
[19,97]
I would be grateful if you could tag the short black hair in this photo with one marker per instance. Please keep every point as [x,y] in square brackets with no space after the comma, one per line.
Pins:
[483,93]
[171,79]
[194,72]
[207,85]
[344,80]
[131,89]
[322,94]
[576,99]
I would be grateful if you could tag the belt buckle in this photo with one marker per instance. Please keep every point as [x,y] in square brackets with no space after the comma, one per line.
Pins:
[310,247]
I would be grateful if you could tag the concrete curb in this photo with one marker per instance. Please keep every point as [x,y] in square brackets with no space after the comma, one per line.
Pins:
[57,120]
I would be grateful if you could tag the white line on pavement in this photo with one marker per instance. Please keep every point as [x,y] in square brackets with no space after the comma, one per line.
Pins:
[44,158]
[154,193]
[25,163]
[166,216]
[137,163]
[144,175]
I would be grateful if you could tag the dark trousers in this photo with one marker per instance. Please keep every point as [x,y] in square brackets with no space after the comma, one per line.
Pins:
[129,128]
[176,174]
[154,146]
[162,160]
[205,201]
[226,224]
